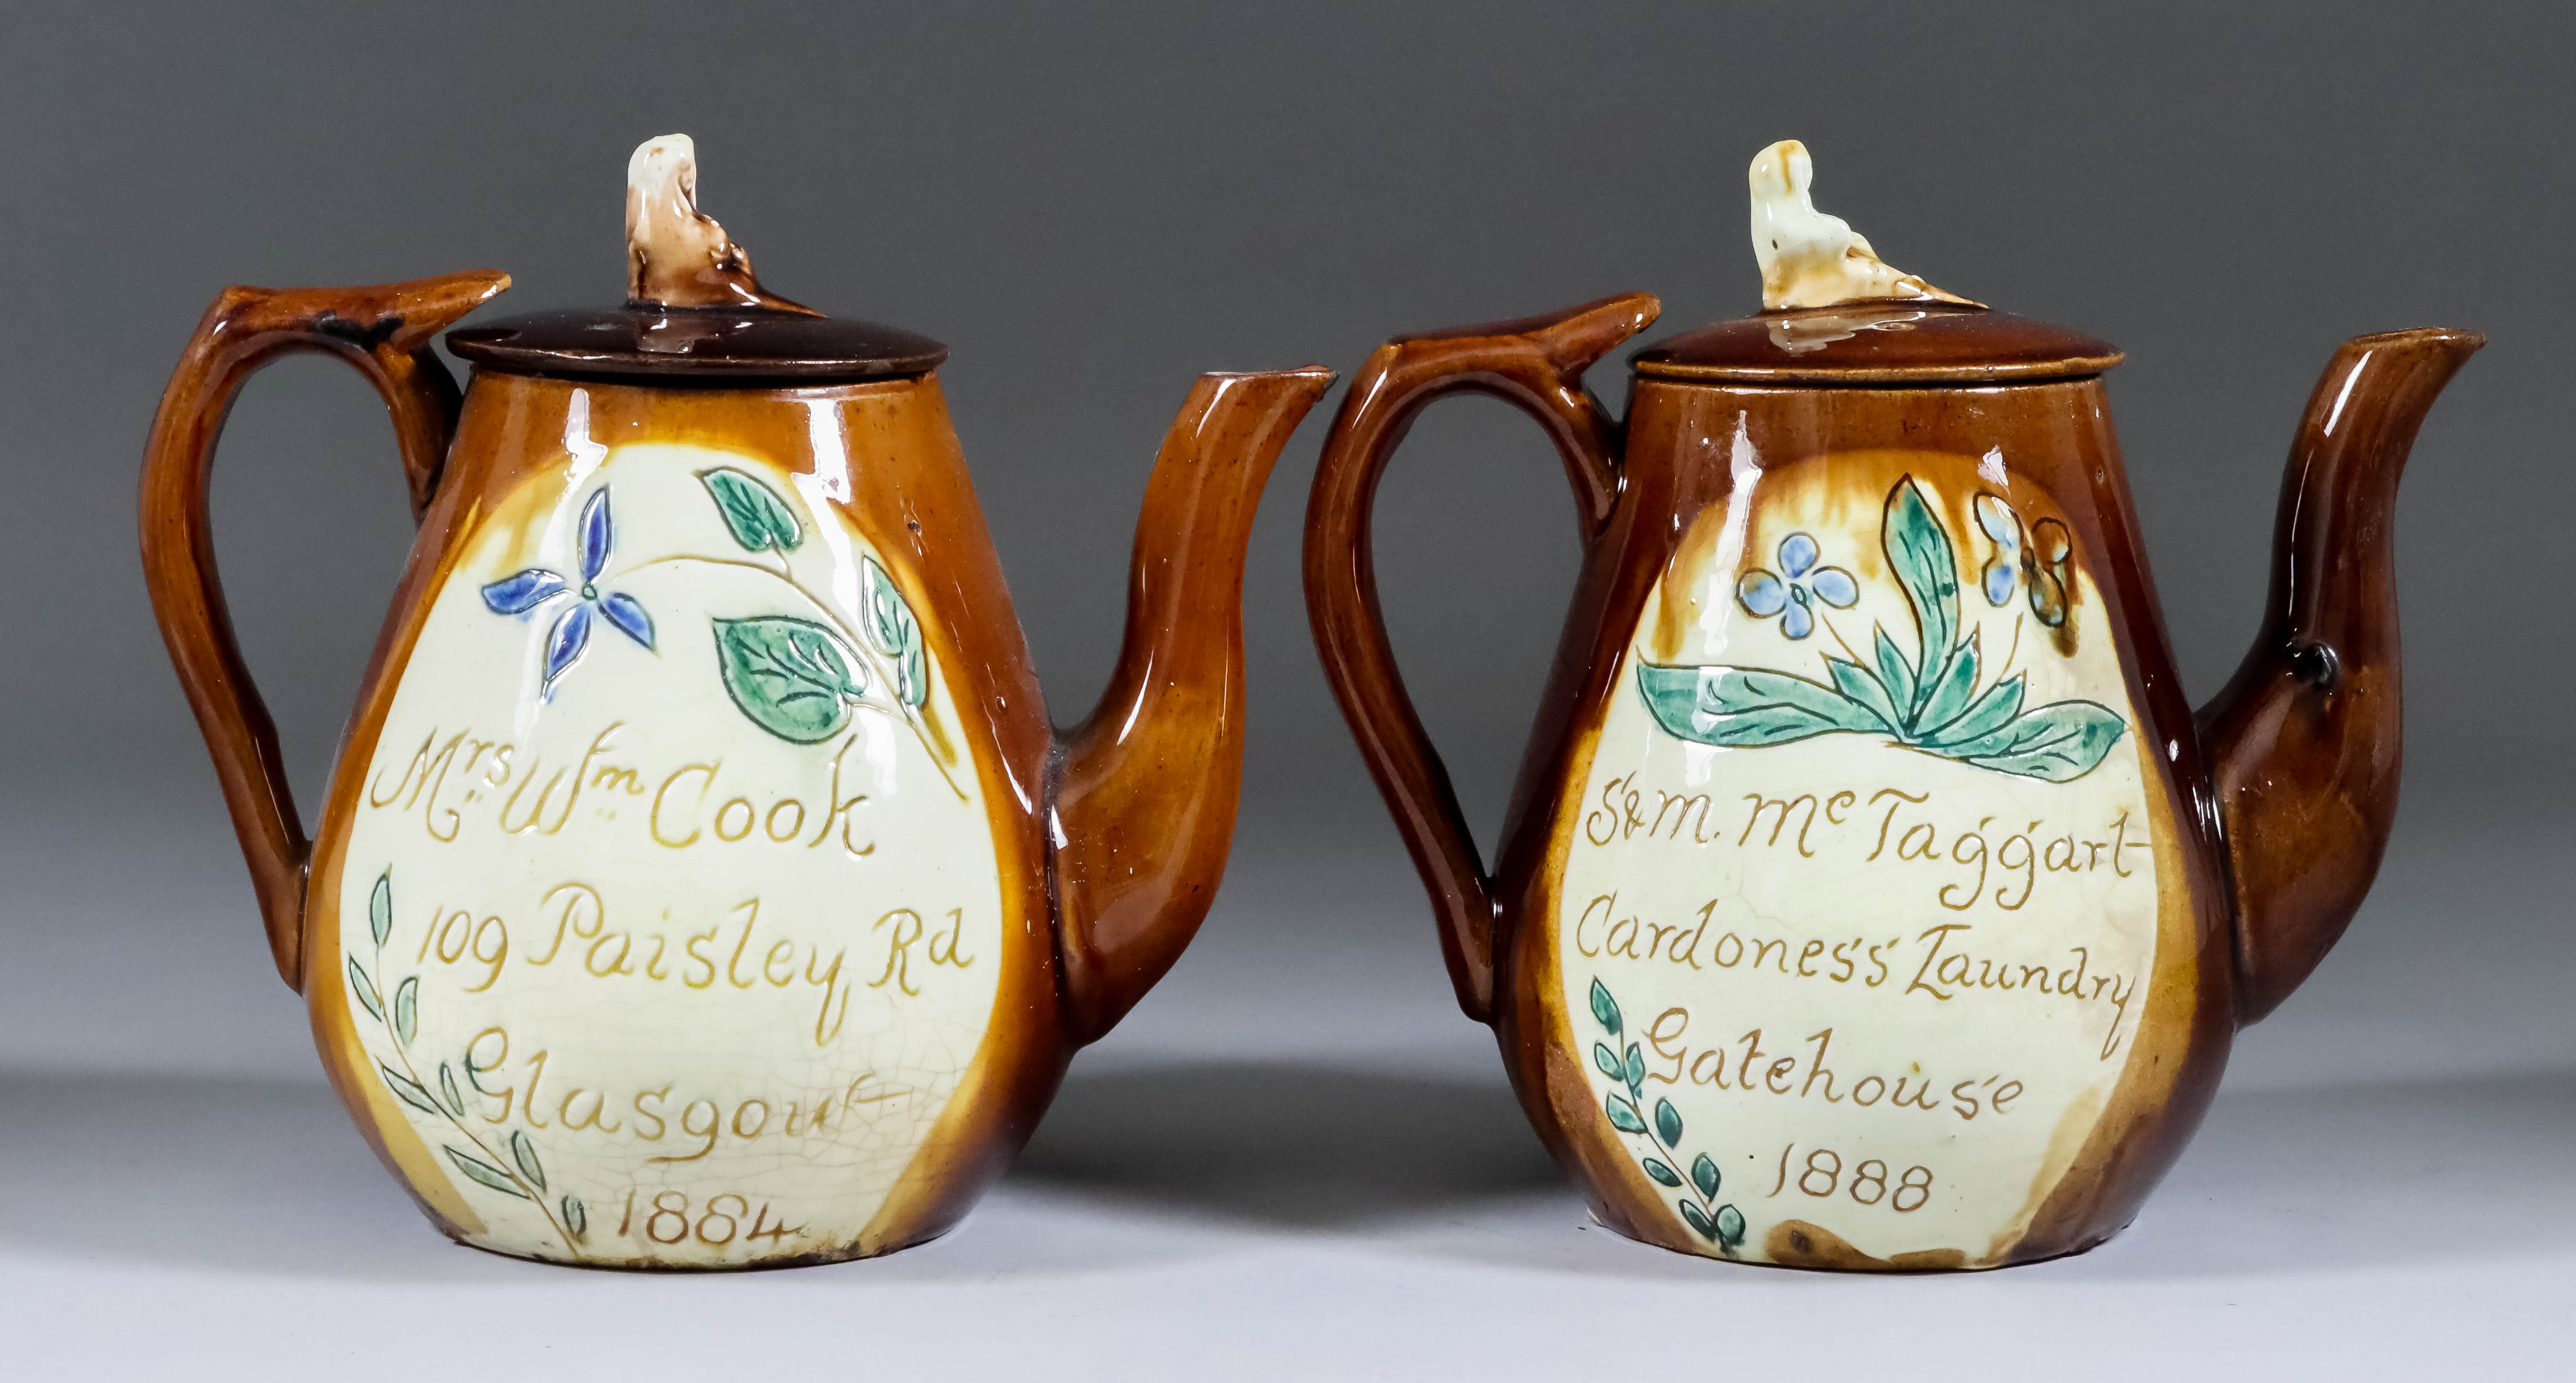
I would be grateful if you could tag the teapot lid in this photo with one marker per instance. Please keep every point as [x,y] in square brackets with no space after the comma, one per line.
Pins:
[1834,313]
[693,308]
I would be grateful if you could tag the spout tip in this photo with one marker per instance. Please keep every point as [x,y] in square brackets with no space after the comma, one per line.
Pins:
[1304,384]
[1315,373]
[2456,341]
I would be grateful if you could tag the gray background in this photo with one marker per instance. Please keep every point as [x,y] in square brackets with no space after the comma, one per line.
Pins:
[1090,205]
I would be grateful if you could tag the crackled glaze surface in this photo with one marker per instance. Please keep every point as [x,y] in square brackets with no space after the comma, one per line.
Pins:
[1861,886]
[669,916]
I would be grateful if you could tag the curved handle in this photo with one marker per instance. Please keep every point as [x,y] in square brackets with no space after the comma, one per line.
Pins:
[1536,365]
[384,331]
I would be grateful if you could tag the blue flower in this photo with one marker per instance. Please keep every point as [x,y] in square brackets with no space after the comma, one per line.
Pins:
[2039,563]
[1793,599]
[521,594]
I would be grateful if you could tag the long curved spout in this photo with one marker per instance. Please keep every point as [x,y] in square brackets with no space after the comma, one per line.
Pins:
[2303,742]
[1145,788]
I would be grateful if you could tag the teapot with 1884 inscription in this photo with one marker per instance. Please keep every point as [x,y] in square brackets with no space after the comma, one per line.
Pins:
[701,884]
[1870,897]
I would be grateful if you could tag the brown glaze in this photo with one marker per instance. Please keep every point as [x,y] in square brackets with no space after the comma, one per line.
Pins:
[1144,789]
[1536,365]
[743,346]
[693,307]
[1110,840]
[1911,343]
[1666,466]
[2303,741]
[383,332]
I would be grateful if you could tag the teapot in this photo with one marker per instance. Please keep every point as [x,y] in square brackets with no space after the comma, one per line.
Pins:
[701,883]
[1870,897]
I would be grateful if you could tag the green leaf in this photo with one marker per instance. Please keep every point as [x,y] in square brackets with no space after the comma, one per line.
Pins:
[1919,552]
[483,1172]
[524,1153]
[380,907]
[1704,1175]
[1668,1122]
[1988,713]
[757,515]
[409,1090]
[1608,1061]
[1698,1219]
[1656,1169]
[447,1087]
[1896,674]
[576,1218]
[407,1009]
[893,630]
[366,989]
[1636,1073]
[1946,696]
[1604,1008]
[1745,707]
[1858,684]
[1623,1115]
[2057,743]
[793,677]
[1730,1226]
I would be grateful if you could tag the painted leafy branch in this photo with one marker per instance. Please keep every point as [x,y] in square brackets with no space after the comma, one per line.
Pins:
[1930,702]
[524,1175]
[800,678]
[1720,1224]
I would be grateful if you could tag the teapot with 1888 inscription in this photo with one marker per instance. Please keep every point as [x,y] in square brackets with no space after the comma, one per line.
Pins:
[1870,897]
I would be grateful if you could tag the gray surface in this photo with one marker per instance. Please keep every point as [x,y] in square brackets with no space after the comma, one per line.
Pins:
[1295,1158]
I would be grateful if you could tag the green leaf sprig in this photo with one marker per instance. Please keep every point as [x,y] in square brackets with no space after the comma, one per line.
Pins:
[401,1019]
[1722,1225]
[1928,703]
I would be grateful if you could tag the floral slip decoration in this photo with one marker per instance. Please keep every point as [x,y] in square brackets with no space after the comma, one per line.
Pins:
[523,593]
[797,676]
[1929,703]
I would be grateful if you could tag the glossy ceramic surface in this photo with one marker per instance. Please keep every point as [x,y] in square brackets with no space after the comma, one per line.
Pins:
[702,884]
[1868,897]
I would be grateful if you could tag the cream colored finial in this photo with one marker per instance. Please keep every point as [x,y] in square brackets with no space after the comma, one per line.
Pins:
[1810,259]
[676,255]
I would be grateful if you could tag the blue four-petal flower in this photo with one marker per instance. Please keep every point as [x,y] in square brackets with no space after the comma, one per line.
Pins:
[522,593]
[1793,599]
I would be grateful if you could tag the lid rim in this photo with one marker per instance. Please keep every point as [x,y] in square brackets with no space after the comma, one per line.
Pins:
[721,342]
[1862,376]
[1877,343]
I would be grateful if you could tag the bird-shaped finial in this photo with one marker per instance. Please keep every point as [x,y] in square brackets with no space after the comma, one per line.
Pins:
[676,255]
[1810,259]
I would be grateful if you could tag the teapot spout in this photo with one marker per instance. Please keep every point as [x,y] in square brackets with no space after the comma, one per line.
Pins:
[1144,793]
[2303,741]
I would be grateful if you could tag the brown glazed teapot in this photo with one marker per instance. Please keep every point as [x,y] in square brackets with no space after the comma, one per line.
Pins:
[701,883]
[1870,897]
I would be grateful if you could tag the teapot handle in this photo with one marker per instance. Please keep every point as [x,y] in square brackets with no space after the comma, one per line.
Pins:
[385,332]
[1536,365]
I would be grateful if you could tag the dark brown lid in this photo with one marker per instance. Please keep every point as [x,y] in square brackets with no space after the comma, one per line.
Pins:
[718,342]
[1836,315]
[1877,344]
[692,306]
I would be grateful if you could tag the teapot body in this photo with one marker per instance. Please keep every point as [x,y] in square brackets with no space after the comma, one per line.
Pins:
[1859,905]
[680,900]
[1870,898]
[701,884]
